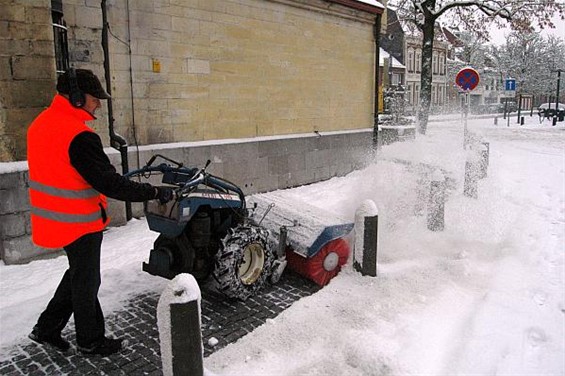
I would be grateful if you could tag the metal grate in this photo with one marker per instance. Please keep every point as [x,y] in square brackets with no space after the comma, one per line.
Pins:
[60,40]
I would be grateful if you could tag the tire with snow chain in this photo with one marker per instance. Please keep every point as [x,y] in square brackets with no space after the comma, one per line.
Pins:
[244,262]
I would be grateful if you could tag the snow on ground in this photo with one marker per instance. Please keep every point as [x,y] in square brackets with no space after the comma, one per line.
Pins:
[483,297]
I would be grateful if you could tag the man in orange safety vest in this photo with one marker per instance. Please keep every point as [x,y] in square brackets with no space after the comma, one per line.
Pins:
[69,179]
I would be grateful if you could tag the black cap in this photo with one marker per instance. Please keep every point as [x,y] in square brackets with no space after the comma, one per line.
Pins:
[87,82]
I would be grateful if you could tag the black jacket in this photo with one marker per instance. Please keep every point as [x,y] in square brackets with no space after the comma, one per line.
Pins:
[88,158]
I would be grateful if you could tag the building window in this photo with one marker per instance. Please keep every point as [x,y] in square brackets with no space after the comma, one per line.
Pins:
[443,94]
[416,94]
[418,61]
[60,37]
[444,59]
[441,63]
[410,60]
[434,63]
[409,93]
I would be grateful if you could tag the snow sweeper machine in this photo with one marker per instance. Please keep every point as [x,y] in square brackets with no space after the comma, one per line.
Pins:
[210,231]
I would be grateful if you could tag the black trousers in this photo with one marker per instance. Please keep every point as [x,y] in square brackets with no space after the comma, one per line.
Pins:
[77,293]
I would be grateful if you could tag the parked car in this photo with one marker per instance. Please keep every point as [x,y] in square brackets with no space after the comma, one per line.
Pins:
[548,110]
[479,109]
[494,108]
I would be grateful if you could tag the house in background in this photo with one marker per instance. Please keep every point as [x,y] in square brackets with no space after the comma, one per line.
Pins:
[392,38]
[413,62]
[392,77]
[404,42]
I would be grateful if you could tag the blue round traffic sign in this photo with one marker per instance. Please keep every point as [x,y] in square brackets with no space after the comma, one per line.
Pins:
[467,79]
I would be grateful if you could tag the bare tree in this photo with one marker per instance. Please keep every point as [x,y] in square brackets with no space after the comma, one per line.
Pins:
[532,60]
[475,16]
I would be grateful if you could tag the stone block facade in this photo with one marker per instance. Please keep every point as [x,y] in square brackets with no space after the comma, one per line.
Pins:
[195,70]
[27,71]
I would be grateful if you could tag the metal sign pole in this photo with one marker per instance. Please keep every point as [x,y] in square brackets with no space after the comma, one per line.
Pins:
[465,129]
[467,79]
[507,113]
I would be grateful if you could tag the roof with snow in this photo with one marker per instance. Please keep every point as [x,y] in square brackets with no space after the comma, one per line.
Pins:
[451,37]
[385,55]
[372,2]
[370,6]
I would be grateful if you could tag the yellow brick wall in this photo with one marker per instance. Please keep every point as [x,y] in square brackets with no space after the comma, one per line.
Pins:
[245,68]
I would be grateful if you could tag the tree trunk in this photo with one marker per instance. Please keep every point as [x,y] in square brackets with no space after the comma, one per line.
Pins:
[426,74]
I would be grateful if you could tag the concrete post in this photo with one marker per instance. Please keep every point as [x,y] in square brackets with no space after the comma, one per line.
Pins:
[486,150]
[366,236]
[436,202]
[178,320]
[470,186]
[484,159]
[496,120]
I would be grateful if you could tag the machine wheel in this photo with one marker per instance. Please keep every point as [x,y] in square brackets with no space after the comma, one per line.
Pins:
[243,262]
[179,251]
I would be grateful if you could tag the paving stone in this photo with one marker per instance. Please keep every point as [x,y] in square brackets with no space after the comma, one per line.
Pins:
[226,320]
[7,369]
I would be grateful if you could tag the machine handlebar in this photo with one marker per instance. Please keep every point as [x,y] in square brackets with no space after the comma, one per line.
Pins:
[185,178]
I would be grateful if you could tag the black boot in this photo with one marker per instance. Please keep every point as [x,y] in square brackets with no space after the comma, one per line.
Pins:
[54,340]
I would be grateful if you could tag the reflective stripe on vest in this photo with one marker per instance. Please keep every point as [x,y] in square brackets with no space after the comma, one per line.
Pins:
[67,194]
[65,217]
[64,193]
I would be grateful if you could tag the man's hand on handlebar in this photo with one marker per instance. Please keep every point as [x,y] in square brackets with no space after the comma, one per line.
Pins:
[165,194]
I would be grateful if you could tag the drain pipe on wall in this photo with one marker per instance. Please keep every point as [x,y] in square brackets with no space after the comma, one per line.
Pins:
[116,141]
[377,34]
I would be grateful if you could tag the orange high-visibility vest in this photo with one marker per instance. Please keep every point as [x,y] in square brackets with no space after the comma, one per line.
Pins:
[64,206]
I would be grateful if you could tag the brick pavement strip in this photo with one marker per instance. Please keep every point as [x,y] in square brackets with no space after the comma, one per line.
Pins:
[226,320]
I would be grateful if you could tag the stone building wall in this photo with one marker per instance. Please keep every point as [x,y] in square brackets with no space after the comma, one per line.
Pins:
[27,70]
[195,70]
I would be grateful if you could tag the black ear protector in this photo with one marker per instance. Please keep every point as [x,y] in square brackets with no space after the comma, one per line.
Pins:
[76,96]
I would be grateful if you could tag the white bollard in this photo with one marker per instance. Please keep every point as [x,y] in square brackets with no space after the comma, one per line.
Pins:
[178,320]
[366,236]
